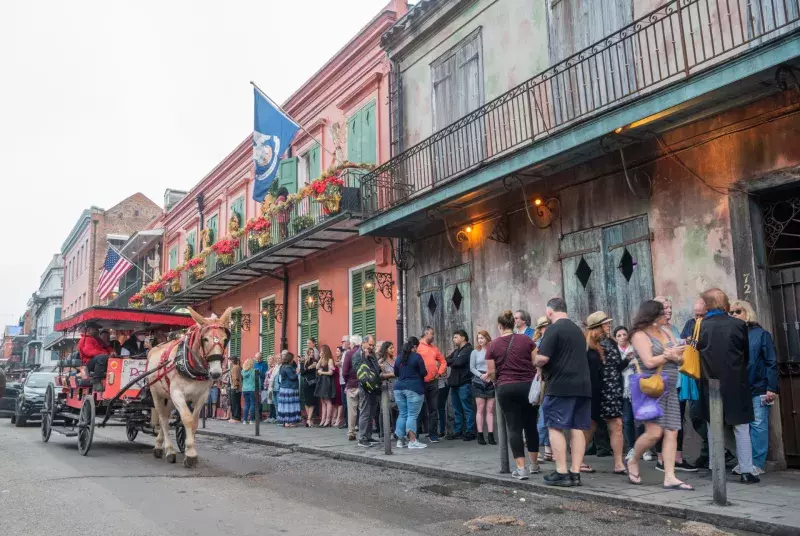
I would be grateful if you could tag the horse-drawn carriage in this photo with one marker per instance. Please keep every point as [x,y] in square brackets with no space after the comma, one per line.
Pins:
[74,407]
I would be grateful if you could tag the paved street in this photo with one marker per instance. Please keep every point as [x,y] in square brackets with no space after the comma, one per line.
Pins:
[240,489]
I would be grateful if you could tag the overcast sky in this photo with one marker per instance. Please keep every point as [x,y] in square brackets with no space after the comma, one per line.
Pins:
[100,99]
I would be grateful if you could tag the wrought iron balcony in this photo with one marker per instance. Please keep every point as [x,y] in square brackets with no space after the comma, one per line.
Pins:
[305,229]
[670,44]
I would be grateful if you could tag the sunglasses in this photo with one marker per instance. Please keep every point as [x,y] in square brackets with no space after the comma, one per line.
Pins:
[737,312]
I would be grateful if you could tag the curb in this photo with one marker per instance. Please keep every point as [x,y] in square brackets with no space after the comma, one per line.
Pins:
[584,494]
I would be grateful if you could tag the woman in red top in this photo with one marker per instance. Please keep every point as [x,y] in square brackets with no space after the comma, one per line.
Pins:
[90,346]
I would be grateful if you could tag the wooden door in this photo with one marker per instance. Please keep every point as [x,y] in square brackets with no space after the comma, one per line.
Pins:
[629,270]
[583,273]
[444,301]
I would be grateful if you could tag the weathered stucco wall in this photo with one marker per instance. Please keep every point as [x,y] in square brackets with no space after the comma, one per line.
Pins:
[692,248]
[507,25]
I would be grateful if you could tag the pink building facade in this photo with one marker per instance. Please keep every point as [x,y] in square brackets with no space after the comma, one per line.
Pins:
[316,277]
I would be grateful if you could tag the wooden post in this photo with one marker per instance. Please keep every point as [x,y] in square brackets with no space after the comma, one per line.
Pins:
[386,422]
[502,436]
[717,443]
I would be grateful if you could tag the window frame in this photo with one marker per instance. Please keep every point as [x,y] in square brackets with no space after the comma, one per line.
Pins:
[452,53]
[262,320]
[351,307]
[300,288]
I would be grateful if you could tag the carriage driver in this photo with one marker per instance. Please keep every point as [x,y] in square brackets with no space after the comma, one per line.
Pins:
[93,351]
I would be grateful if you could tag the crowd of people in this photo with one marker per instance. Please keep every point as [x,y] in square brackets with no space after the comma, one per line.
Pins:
[559,387]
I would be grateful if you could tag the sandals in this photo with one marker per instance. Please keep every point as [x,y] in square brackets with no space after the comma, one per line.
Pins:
[682,486]
[585,468]
[620,471]
[634,479]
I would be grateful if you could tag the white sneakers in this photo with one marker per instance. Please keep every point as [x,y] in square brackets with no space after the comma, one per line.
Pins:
[416,444]
[402,443]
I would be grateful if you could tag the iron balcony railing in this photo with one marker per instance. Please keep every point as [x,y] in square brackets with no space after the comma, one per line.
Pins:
[669,44]
[303,216]
[121,299]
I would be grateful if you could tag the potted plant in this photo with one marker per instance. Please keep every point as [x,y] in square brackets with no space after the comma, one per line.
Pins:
[328,191]
[136,301]
[259,231]
[301,223]
[155,290]
[225,250]
[197,266]
[173,277]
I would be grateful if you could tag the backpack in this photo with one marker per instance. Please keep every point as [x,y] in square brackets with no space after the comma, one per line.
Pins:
[368,378]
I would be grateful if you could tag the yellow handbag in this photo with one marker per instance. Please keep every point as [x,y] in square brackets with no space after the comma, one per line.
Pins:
[652,386]
[691,356]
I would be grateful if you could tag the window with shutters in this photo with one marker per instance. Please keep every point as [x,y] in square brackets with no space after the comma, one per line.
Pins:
[457,78]
[267,330]
[235,346]
[362,135]
[362,302]
[213,225]
[173,257]
[191,240]
[309,314]
[287,175]
[237,207]
[309,166]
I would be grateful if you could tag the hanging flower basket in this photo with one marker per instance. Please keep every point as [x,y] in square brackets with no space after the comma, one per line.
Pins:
[175,286]
[135,305]
[158,296]
[258,229]
[327,190]
[225,250]
[199,272]
[136,301]
[197,266]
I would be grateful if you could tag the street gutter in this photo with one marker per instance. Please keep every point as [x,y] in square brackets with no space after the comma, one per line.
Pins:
[582,493]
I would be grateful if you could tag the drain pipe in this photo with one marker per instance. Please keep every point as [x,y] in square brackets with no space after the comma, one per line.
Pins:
[401,298]
[284,324]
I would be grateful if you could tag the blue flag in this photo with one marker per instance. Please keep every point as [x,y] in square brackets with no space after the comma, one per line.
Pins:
[272,132]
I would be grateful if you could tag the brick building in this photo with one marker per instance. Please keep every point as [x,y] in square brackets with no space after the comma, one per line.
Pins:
[85,248]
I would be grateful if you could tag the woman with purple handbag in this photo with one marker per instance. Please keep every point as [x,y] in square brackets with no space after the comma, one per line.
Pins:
[658,357]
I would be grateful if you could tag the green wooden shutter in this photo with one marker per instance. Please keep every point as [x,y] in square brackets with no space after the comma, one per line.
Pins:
[212,225]
[191,240]
[57,314]
[288,175]
[173,257]
[369,133]
[354,138]
[357,301]
[267,329]
[309,320]
[314,162]
[363,303]
[235,346]
[237,207]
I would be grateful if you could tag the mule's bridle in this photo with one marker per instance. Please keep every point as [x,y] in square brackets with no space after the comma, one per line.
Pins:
[198,364]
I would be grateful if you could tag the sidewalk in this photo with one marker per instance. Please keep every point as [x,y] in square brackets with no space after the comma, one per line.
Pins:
[769,507]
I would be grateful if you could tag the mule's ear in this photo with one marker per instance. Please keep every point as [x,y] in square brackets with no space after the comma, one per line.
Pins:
[225,319]
[200,319]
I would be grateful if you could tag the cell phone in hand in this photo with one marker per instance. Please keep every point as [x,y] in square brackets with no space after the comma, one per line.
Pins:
[765,402]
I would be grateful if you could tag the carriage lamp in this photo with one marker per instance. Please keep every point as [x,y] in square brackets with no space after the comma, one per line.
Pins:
[322,298]
[382,280]
[538,201]
[274,311]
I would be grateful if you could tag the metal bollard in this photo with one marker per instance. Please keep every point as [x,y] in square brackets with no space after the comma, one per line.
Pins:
[502,436]
[717,444]
[258,409]
[386,422]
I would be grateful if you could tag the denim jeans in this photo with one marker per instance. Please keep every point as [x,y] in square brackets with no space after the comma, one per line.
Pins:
[628,423]
[544,435]
[444,393]
[759,432]
[461,398]
[249,406]
[409,404]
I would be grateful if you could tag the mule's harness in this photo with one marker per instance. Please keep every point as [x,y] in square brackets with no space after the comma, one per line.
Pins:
[184,361]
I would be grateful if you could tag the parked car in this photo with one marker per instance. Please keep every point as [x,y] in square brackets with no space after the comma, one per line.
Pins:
[8,402]
[31,397]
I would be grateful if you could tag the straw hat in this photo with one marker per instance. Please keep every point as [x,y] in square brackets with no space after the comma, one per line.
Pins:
[597,319]
[541,322]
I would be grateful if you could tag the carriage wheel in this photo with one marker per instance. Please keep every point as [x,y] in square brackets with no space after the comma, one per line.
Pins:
[48,410]
[180,436]
[131,431]
[86,425]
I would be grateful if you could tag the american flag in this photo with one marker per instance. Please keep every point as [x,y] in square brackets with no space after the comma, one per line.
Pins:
[114,268]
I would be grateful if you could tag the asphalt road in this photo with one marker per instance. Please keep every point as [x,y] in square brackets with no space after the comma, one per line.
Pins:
[242,489]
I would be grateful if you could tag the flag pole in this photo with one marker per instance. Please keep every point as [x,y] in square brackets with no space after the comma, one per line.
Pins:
[144,274]
[275,104]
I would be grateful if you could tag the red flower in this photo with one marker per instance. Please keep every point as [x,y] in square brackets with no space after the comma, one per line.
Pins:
[136,298]
[194,263]
[258,225]
[226,246]
[154,287]
[170,275]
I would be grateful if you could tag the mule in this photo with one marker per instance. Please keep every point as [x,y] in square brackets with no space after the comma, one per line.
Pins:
[190,365]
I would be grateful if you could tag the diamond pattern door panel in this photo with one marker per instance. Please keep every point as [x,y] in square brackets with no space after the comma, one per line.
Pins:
[629,268]
[583,272]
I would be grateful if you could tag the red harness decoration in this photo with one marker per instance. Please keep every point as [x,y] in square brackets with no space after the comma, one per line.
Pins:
[166,369]
[191,367]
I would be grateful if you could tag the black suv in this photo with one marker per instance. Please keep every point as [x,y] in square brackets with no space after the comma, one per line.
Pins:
[31,397]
